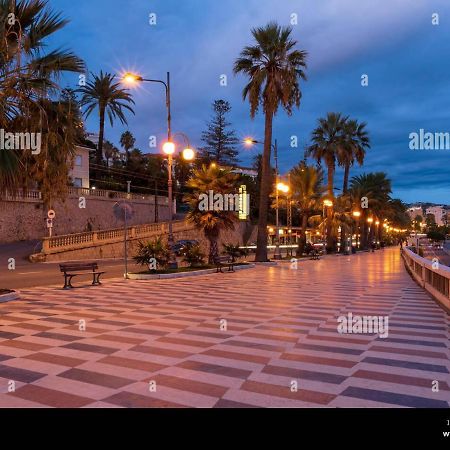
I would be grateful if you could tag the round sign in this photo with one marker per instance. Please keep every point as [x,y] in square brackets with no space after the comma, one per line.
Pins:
[51,214]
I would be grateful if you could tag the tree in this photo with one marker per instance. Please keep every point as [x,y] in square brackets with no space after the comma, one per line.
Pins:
[376,187]
[28,73]
[355,142]
[220,142]
[327,141]
[109,150]
[104,94]
[274,69]
[306,185]
[211,222]
[127,142]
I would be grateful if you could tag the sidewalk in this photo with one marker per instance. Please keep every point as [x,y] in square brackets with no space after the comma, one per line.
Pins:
[164,343]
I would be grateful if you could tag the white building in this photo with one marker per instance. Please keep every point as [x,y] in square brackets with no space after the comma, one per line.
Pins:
[79,173]
[415,211]
[439,214]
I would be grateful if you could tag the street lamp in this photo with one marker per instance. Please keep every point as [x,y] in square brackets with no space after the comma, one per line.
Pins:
[357,215]
[280,187]
[326,204]
[188,154]
[250,141]
[377,231]
[131,79]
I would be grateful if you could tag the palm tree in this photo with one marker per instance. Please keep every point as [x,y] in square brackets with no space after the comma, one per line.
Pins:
[127,142]
[109,150]
[376,187]
[327,140]
[220,181]
[356,141]
[274,68]
[27,72]
[306,184]
[110,98]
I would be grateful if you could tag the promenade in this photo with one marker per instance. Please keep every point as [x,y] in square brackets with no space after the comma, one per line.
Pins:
[263,337]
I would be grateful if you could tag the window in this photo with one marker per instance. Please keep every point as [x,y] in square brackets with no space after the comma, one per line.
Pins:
[78,160]
[78,182]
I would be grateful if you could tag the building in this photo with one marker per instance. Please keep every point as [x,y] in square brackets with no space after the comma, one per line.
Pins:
[79,173]
[415,211]
[439,214]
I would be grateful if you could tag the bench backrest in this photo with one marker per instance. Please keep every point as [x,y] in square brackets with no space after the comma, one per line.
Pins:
[222,259]
[72,267]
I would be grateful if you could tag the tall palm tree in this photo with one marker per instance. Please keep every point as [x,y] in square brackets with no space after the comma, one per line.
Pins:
[127,142]
[108,149]
[327,140]
[106,95]
[28,72]
[376,187]
[220,181]
[274,68]
[307,189]
[356,141]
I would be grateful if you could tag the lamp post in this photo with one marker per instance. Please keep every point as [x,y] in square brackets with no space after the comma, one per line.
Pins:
[133,79]
[274,146]
[326,204]
[369,231]
[283,188]
[357,215]
[377,233]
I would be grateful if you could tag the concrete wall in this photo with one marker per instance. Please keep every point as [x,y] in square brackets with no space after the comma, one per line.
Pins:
[25,219]
[242,233]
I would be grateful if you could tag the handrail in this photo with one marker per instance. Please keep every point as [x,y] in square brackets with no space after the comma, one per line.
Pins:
[36,195]
[56,244]
[430,274]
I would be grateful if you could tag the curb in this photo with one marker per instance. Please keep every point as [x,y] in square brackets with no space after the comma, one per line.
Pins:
[194,273]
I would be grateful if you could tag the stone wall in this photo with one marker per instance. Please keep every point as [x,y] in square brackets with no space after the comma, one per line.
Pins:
[26,219]
[243,233]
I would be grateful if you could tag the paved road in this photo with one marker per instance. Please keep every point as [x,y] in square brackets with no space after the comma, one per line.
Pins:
[164,342]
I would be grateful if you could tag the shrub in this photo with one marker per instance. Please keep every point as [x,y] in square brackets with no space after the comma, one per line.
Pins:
[436,236]
[194,256]
[234,252]
[153,250]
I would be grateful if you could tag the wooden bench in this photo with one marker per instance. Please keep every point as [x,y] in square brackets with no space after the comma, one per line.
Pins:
[224,261]
[71,270]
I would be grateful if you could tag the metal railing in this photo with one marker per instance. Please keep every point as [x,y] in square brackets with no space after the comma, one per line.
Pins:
[431,275]
[57,244]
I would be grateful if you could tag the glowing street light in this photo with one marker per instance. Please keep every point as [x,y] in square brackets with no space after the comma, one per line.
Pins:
[169,148]
[357,215]
[188,154]
[131,78]
[328,203]
[283,187]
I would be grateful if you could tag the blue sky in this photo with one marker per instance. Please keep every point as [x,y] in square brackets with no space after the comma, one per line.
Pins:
[392,41]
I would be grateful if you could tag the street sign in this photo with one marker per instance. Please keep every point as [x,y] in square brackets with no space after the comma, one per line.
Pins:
[51,214]
[49,223]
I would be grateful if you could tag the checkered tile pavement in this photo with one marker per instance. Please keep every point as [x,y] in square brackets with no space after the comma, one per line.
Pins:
[164,343]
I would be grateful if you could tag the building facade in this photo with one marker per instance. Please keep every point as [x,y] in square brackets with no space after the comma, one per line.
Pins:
[439,214]
[79,173]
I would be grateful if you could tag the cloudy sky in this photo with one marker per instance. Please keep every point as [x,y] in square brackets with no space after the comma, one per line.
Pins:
[394,42]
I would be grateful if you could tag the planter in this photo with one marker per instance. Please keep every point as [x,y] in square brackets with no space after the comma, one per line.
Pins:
[192,273]
[9,296]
